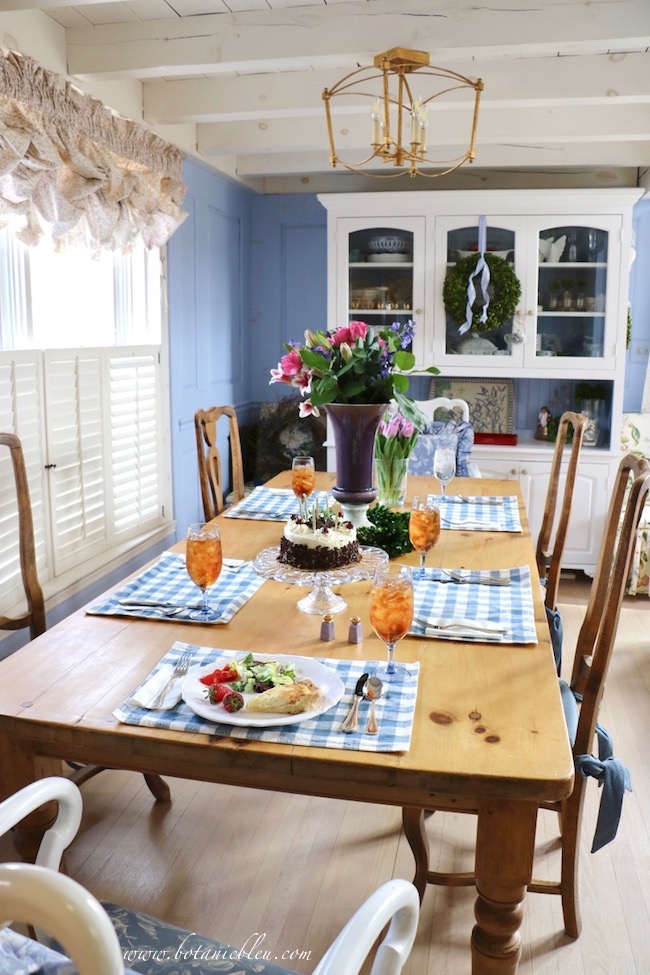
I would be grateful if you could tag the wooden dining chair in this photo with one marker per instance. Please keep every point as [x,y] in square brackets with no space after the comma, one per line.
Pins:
[549,560]
[209,460]
[581,698]
[34,617]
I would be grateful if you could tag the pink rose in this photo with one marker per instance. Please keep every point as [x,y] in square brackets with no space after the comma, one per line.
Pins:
[358,330]
[291,363]
[341,335]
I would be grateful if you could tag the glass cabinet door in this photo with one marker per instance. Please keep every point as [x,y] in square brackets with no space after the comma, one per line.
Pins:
[572,292]
[458,239]
[383,273]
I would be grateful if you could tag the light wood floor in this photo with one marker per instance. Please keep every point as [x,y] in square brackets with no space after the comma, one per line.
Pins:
[243,865]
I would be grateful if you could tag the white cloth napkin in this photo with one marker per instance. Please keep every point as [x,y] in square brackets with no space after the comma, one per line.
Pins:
[458,626]
[147,695]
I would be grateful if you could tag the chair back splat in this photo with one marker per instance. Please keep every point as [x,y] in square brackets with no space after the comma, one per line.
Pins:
[209,460]
[34,618]
[581,699]
[549,563]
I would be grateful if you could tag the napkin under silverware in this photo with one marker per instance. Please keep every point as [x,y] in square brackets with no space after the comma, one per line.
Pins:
[465,579]
[147,695]
[477,499]
[459,626]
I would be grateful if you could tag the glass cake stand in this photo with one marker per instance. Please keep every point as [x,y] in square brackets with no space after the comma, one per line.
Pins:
[321,599]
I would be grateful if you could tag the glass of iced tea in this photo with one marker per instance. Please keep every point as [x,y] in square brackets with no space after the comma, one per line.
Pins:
[424,526]
[391,612]
[303,478]
[203,560]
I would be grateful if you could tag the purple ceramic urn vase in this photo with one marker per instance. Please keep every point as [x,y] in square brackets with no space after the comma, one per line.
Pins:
[354,426]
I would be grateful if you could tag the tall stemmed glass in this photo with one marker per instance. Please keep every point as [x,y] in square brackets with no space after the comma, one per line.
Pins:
[444,465]
[203,560]
[391,612]
[303,481]
[424,526]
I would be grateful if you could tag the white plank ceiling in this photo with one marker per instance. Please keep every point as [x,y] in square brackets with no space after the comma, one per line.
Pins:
[567,82]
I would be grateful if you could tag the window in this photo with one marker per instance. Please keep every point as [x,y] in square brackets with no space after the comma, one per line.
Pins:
[81,385]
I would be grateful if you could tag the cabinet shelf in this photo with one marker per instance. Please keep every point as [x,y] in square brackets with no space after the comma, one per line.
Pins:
[570,313]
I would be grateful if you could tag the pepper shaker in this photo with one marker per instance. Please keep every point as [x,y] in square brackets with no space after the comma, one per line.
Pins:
[327,627]
[354,633]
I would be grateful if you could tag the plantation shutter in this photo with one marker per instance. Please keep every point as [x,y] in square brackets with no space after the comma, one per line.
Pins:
[21,413]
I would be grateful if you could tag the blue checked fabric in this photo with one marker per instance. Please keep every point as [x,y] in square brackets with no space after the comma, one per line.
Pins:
[478,515]
[167,580]
[272,504]
[511,606]
[395,710]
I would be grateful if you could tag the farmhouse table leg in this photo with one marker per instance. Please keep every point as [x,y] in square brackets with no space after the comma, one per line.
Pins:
[20,766]
[504,862]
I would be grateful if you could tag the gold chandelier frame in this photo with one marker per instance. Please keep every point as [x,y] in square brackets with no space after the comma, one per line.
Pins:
[393,111]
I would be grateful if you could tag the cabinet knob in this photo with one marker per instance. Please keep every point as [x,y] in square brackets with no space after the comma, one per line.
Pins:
[524,471]
[514,470]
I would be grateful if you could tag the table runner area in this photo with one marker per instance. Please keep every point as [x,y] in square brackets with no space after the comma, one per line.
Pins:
[512,605]
[272,504]
[167,580]
[395,710]
[494,514]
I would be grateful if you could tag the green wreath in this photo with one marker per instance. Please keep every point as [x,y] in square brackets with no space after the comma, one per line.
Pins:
[504,288]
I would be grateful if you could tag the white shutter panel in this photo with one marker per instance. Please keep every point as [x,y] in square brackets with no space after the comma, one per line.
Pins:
[75,438]
[135,440]
[21,413]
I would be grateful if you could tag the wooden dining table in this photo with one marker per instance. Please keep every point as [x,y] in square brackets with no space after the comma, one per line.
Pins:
[488,730]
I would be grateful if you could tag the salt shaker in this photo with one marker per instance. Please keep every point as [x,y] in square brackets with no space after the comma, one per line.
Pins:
[354,633]
[327,628]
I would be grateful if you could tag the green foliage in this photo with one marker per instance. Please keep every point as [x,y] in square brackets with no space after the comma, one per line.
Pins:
[504,289]
[390,531]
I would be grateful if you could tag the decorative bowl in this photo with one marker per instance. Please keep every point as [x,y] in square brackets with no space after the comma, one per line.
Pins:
[387,245]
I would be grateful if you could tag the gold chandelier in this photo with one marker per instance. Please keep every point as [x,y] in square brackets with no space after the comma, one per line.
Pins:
[397,114]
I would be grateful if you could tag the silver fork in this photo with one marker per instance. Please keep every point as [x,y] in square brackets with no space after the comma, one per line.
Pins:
[180,670]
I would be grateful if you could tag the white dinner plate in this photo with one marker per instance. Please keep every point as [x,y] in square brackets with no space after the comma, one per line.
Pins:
[329,682]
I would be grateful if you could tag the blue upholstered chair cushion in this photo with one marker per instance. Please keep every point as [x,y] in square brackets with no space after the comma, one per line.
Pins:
[458,434]
[150,947]
[22,956]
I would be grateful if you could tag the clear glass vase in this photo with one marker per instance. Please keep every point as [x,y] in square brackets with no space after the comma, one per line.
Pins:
[391,480]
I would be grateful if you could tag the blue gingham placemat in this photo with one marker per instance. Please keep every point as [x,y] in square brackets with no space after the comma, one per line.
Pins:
[272,504]
[493,514]
[167,581]
[511,606]
[394,709]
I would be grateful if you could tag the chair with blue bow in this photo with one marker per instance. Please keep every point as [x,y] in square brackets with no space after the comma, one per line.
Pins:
[447,425]
[581,698]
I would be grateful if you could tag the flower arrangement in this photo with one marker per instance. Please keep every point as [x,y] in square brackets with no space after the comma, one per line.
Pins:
[395,441]
[356,363]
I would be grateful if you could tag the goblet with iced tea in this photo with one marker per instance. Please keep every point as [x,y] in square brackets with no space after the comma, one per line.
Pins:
[424,526]
[391,612]
[303,479]
[203,560]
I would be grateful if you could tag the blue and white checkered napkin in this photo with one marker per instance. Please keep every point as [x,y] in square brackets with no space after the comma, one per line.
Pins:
[492,514]
[271,504]
[395,710]
[167,581]
[511,607]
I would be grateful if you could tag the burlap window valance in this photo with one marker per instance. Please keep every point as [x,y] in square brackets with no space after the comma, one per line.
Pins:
[72,170]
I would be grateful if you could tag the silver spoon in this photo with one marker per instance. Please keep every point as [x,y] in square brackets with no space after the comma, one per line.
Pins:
[372,691]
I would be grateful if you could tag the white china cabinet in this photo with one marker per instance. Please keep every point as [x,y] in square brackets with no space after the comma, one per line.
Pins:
[389,254]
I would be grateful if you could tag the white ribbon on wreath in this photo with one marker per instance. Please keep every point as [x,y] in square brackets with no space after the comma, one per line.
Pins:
[484,271]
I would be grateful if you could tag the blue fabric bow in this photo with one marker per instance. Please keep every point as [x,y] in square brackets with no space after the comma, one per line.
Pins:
[482,269]
[614,778]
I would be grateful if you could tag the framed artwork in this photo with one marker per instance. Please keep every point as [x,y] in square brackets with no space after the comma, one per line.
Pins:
[491,401]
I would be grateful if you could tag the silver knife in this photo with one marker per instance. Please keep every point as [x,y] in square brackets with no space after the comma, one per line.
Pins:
[349,723]
[146,603]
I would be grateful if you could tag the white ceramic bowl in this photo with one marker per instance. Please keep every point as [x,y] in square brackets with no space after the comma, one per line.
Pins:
[387,245]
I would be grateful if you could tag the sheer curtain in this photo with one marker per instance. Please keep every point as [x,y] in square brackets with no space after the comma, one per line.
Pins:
[73,170]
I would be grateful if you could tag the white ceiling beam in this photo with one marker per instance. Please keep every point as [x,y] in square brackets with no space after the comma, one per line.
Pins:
[523,157]
[327,36]
[594,79]
[541,125]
